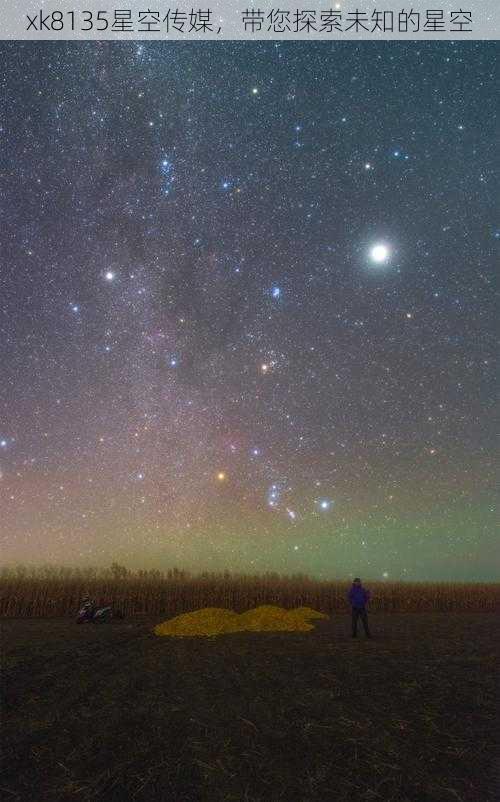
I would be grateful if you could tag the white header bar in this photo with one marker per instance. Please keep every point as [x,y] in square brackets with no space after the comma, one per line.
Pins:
[368,20]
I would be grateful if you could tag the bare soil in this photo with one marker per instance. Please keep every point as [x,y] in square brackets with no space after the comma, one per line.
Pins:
[114,713]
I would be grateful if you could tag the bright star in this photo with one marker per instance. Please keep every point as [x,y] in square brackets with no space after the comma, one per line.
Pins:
[325,504]
[379,253]
[221,476]
[276,292]
[109,276]
[273,496]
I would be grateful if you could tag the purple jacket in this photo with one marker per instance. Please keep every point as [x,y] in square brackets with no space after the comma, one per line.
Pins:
[358,596]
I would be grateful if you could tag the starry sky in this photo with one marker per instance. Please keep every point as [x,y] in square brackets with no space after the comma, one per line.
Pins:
[247,306]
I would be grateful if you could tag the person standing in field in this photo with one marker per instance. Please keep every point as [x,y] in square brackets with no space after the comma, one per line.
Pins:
[359,597]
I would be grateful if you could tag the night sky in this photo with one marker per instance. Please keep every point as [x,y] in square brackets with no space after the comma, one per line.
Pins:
[247,307]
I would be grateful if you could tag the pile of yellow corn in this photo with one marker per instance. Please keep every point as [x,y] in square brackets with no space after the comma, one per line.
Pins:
[212,621]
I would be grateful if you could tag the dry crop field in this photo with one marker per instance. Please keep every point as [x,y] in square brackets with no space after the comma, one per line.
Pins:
[115,713]
[54,593]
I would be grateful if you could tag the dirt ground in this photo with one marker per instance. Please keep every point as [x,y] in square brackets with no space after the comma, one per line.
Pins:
[114,713]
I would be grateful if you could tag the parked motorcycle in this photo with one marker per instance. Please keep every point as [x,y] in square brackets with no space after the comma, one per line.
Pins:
[90,613]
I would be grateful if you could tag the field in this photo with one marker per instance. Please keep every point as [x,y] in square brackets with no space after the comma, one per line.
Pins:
[114,713]
[54,593]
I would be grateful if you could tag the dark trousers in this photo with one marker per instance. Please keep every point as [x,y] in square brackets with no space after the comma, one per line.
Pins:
[359,612]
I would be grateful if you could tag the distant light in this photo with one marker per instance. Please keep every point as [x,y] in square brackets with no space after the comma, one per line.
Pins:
[221,476]
[276,292]
[3,443]
[379,253]
[385,574]
[325,504]
[109,276]
[255,91]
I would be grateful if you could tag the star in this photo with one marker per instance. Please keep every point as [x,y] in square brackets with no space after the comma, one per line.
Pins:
[325,504]
[379,253]
[109,275]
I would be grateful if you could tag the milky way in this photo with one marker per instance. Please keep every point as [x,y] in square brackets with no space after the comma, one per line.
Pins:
[247,306]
